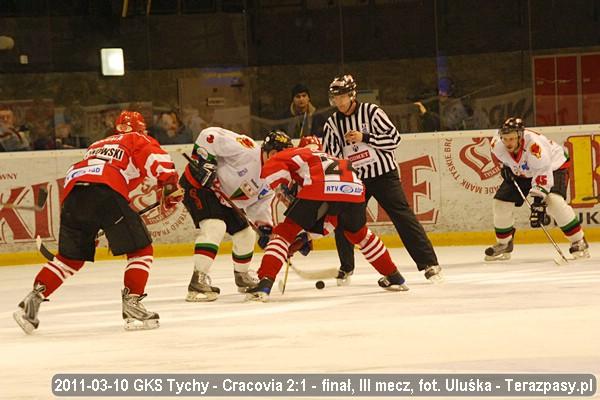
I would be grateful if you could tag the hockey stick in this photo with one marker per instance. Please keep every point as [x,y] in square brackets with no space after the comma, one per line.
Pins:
[328,273]
[48,255]
[39,206]
[562,260]
[285,275]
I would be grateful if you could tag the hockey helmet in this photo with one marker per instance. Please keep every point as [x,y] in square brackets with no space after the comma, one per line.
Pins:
[276,140]
[130,121]
[342,85]
[513,124]
[312,141]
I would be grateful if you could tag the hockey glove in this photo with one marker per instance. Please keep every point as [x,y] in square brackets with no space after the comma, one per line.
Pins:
[538,213]
[507,174]
[204,172]
[290,191]
[264,235]
[302,244]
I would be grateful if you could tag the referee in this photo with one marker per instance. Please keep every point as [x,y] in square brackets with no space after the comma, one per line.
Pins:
[363,133]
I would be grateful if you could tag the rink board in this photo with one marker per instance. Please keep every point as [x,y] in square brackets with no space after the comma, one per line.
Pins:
[449,179]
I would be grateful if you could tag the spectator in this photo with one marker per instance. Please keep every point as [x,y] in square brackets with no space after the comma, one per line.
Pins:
[169,129]
[302,118]
[12,137]
[445,113]
[66,140]
[75,116]
[44,141]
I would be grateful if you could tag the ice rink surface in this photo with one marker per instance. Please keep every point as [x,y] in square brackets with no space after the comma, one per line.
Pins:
[523,315]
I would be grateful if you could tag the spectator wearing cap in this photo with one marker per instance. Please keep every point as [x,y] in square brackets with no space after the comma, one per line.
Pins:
[302,118]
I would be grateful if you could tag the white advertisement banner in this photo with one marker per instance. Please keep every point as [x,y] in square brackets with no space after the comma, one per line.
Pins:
[449,180]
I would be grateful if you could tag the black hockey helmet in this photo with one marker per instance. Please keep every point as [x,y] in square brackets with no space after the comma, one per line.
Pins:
[513,124]
[277,140]
[342,85]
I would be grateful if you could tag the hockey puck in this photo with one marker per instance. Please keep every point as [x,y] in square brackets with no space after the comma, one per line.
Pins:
[320,284]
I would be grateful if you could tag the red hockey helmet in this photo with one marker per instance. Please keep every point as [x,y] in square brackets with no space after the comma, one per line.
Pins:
[130,121]
[312,141]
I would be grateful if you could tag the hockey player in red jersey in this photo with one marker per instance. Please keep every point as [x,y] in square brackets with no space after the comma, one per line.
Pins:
[328,189]
[96,196]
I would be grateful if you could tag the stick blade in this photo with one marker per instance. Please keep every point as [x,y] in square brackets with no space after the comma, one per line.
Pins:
[561,261]
[42,198]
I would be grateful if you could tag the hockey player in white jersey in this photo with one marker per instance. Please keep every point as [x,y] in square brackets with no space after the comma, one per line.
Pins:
[540,168]
[224,164]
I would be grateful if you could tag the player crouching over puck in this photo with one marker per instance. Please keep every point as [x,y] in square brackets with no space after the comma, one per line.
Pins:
[96,196]
[327,188]
[540,168]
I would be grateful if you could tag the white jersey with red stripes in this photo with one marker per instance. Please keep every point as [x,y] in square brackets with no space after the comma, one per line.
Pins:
[238,162]
[123,162]
[538,158]
[319,175]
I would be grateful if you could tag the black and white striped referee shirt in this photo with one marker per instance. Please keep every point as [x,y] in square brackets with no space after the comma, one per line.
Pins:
[378,132]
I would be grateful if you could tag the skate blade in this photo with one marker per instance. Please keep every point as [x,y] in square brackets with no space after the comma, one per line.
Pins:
[243,289]
[197,297]
[437,278]
[257,297]
[501,257]
[343,282]
[27,326]
[581,254]
[397,288]
[137,325]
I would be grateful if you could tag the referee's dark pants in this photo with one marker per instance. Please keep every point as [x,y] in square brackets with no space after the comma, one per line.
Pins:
[388,192]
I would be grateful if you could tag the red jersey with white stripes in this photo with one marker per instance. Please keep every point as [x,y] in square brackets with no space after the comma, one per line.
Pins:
[319,175]
[123,162]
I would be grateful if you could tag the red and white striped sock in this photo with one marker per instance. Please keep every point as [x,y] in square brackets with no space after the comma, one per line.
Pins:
[138,269]
[55,272]
[375,252]
[276,253]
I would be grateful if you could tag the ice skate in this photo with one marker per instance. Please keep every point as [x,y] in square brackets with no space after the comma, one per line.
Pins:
[245,280]
[579,249]
[499,251]
[200,288]
[261,291]
[135,314]
[394,281]
[344,278]
[434,274]
[26,314]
